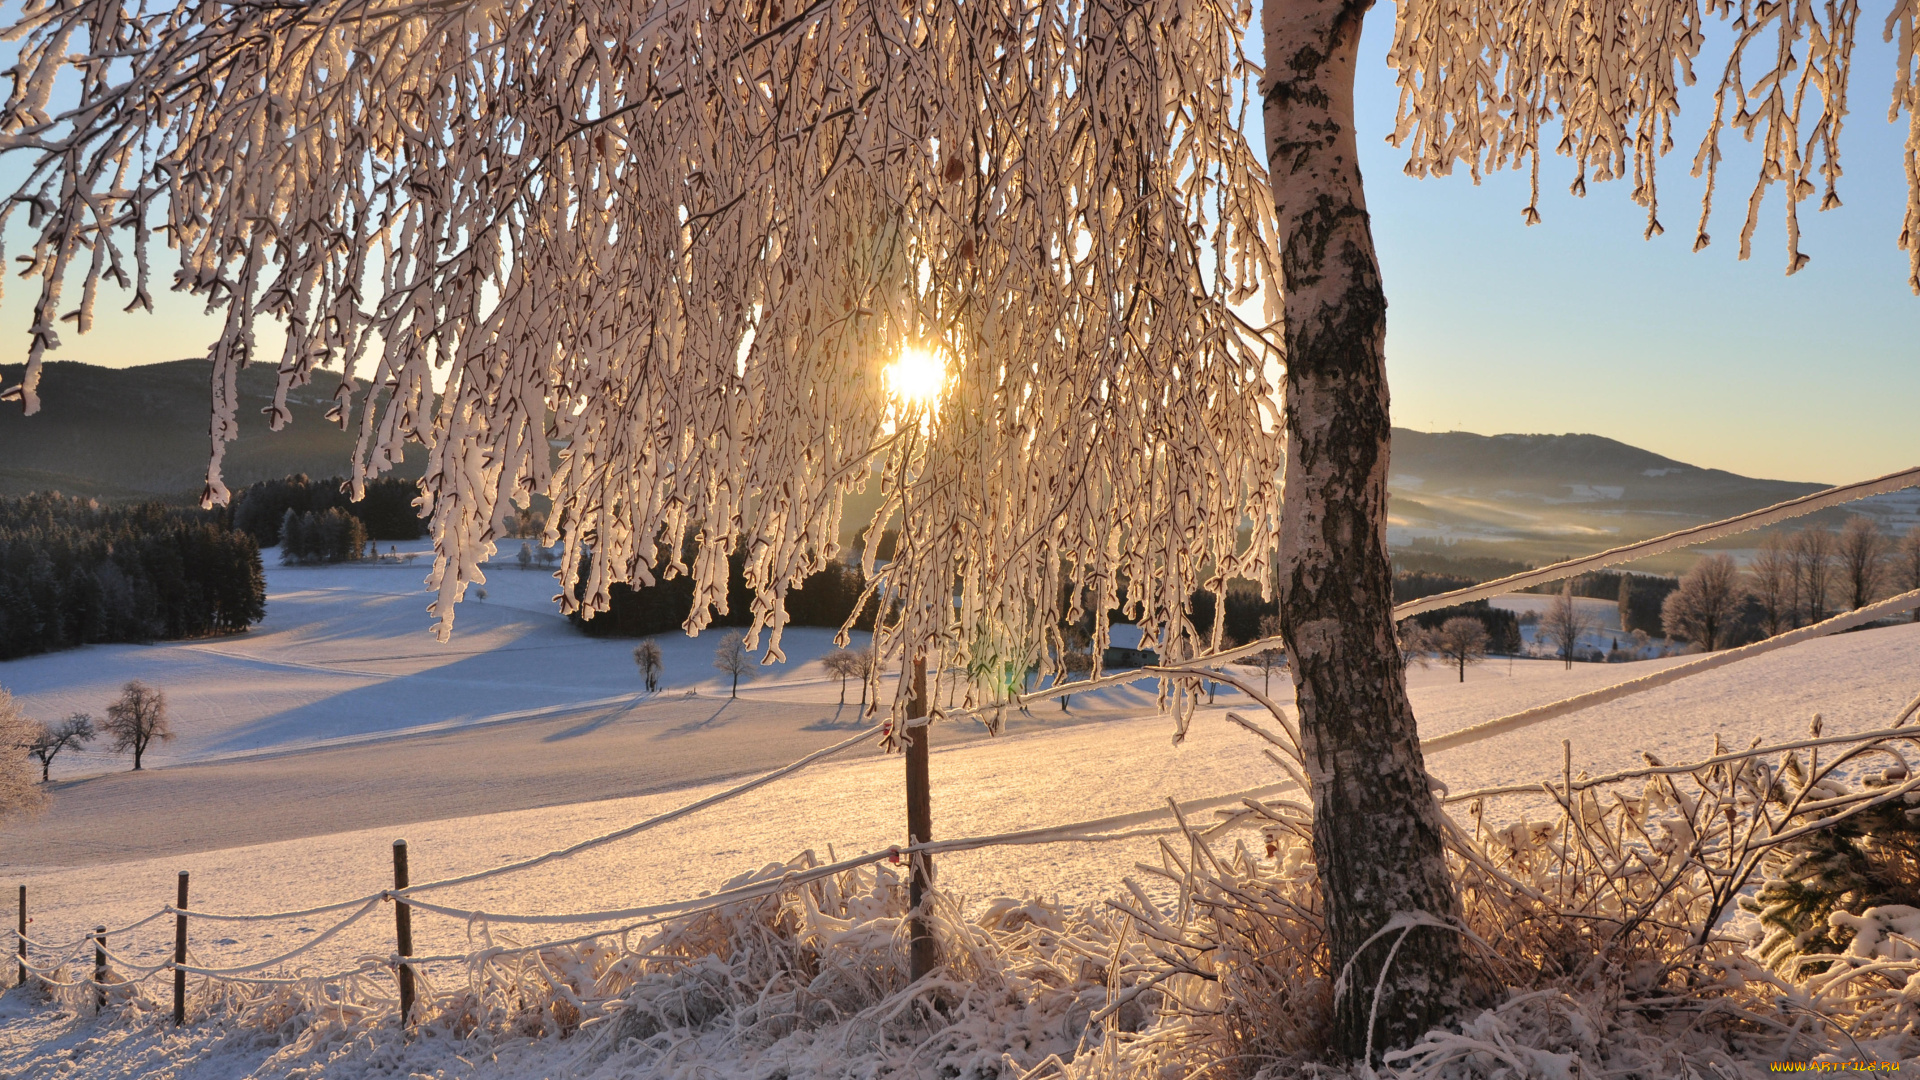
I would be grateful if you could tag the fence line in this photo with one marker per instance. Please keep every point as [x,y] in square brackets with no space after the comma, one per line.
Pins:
[1527,717]
[1111,828]
[1699,534]
[559,853]
[1114,827]
[1895,731]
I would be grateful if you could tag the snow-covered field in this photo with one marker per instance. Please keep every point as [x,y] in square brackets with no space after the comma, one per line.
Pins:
[309,744]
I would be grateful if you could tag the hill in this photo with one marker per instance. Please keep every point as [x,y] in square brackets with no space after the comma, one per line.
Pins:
[122,433]
[1545,497]
[141,432]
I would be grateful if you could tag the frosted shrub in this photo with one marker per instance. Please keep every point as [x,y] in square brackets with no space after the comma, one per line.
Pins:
[1604,927]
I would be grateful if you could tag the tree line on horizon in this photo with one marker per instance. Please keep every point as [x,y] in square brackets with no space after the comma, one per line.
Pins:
[74,572]
[1795,579]
[384,512]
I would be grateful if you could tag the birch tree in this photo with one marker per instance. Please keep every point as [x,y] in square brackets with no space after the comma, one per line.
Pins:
[1906,563]
[687,240]
[1812,551]
[1707,604]
[1564,624]
[1862,554]
[1772,582]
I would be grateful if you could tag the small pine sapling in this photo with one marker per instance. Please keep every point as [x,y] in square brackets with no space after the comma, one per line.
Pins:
[1870,858]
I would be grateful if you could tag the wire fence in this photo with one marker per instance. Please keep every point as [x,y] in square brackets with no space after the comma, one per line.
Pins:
[63,965]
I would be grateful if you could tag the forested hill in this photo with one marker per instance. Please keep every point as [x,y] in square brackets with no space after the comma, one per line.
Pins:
[1560,470]
[1541,498]
[118,433]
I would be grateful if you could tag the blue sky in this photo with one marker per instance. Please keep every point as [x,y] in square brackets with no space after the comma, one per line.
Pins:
[1576,324]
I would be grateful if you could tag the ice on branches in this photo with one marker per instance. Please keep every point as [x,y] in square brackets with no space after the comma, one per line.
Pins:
[660,254]
[1481,80]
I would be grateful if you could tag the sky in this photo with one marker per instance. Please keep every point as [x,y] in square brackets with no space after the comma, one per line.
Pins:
[1573,325]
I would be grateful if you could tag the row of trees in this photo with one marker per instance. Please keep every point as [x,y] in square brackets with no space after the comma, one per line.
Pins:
[134,721]
[385,512]
[321,536]
[73,572]
[823,599]
[1795,579]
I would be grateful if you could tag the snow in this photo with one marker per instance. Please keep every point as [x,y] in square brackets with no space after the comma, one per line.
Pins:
[310,744]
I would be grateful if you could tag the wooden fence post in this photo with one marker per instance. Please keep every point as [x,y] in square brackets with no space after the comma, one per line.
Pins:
[23,935]
[403,930]
[180,954]
[921,957]
[99,968]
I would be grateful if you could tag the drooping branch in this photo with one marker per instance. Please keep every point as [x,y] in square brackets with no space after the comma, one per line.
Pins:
[655,258]
[1481,82]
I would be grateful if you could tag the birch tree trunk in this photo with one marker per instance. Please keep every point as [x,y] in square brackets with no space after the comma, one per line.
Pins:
[1376,825]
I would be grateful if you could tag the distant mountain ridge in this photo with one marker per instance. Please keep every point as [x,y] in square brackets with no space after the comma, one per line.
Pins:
[1566,493]
[141,432]
[1569,470]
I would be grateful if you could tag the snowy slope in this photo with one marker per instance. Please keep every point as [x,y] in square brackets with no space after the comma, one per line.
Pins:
[1030,778]
[536,737]
[345,652]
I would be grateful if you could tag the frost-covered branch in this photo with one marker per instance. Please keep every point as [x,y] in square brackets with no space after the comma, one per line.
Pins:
[660,256]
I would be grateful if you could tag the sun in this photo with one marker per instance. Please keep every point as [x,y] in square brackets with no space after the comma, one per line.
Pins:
[917,377]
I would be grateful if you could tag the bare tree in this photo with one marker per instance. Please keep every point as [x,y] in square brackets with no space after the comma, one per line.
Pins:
[1563,624]
[1773,584]
[20,796]
[732,658]
[1906,563]
[137,719]
[1707,604]
[1462,641]
[1267,660]
[846,664]
[75,731]
[1862,555]
[525,557]
[1075,664]
[1416,642]
[1812,551]
[646,656]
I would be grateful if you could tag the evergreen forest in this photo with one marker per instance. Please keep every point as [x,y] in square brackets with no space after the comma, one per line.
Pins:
[74,572]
